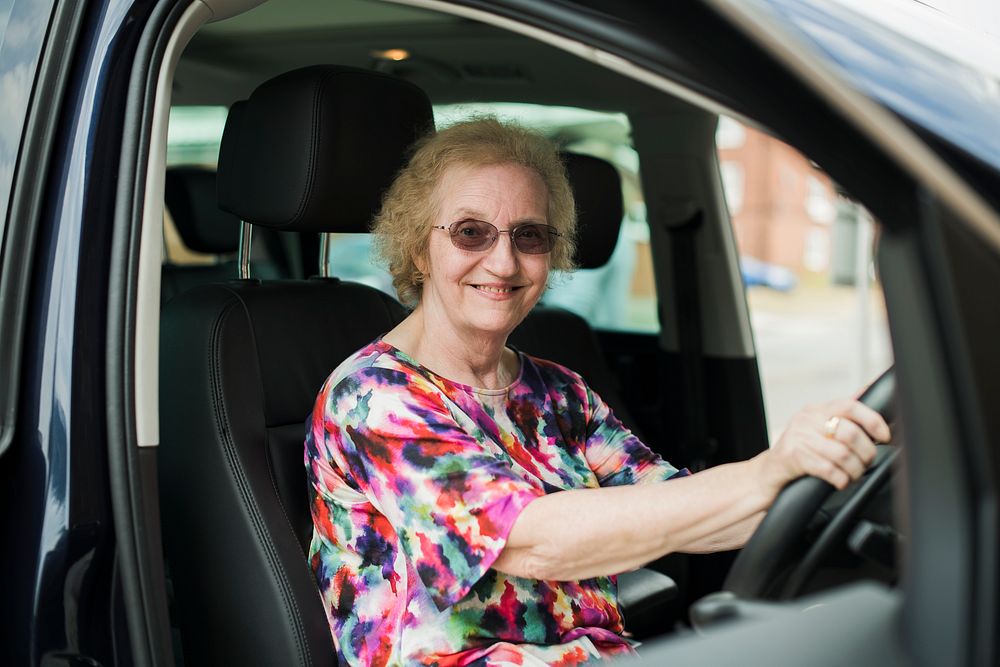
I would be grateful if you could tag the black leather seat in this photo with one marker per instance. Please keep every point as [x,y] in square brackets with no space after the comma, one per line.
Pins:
[241,363]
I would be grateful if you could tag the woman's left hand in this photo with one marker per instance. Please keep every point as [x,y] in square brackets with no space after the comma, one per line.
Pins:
[834,441]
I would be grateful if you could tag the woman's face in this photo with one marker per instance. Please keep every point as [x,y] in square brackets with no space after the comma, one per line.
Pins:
[487,292]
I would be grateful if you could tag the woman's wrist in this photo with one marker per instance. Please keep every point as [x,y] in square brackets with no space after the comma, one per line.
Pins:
[767,477]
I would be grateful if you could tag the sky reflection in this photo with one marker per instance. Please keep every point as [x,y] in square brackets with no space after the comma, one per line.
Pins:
[914,79]
[22,29]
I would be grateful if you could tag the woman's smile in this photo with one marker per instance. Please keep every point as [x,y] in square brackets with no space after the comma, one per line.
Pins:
[497,291]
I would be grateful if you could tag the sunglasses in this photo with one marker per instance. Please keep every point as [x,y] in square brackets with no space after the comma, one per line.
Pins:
[531,238]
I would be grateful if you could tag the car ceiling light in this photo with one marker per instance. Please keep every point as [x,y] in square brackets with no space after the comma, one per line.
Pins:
[392,54]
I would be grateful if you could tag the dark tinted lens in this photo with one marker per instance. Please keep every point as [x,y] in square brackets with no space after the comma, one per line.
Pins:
[473,234]
[533,239]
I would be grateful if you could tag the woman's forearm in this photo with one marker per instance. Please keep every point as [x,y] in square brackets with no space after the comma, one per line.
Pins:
[733,537]
[593,532]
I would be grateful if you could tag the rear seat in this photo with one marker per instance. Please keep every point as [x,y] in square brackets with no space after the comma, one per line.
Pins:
[561,335]
[191,198]
[189,195]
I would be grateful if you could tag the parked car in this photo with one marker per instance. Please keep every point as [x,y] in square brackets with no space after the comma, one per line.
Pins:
[149,507]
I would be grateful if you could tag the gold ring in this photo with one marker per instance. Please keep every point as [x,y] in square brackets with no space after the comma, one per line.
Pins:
[830,428]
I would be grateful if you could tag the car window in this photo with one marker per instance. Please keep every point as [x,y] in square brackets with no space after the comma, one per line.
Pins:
[806,257]
[193,138]
[22,31]
[195,135]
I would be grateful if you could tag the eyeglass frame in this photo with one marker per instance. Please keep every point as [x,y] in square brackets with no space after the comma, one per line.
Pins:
[510,232]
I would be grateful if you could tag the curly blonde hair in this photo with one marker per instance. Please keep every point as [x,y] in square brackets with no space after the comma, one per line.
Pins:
[403,226]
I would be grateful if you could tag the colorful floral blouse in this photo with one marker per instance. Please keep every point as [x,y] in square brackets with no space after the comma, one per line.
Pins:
[417,483]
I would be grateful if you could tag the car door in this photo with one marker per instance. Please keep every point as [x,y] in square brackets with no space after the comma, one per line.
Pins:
[71,502]
[19,64]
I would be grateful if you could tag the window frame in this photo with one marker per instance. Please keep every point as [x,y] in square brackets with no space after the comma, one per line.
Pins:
[37,144]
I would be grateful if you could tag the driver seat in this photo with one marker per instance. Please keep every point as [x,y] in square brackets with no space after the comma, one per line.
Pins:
[241,363]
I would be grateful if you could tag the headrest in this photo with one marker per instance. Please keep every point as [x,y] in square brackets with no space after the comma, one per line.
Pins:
[597,189]
[314,149]
[190,196]
[228,179]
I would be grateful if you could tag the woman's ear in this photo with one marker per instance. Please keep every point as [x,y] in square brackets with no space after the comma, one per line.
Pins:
[420,261]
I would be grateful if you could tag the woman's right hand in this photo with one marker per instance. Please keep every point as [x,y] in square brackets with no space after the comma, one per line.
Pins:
[833,441]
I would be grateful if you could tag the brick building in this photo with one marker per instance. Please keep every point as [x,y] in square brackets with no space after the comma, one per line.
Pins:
[782,206]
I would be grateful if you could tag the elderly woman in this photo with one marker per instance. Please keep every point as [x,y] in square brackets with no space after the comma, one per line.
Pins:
[473,503]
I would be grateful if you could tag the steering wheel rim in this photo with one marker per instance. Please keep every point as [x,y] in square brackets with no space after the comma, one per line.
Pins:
[770,549]
[877,476]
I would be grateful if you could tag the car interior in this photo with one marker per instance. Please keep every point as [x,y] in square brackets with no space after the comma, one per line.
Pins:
[323,99]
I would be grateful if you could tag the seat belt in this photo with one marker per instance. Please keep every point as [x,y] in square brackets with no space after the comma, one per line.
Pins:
[698,447]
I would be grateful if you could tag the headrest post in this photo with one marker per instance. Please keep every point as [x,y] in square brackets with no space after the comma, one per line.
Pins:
[324,255]
[246,235]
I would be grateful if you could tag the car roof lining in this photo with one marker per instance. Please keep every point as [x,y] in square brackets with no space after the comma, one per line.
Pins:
[453,63]
[454,59]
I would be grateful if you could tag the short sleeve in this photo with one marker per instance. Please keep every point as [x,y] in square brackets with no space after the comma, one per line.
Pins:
[615,454]
[451,502]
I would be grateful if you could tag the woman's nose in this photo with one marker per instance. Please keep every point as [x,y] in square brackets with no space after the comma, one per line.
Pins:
[501,259]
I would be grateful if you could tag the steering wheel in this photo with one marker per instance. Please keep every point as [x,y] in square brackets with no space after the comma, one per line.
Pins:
[759,570]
